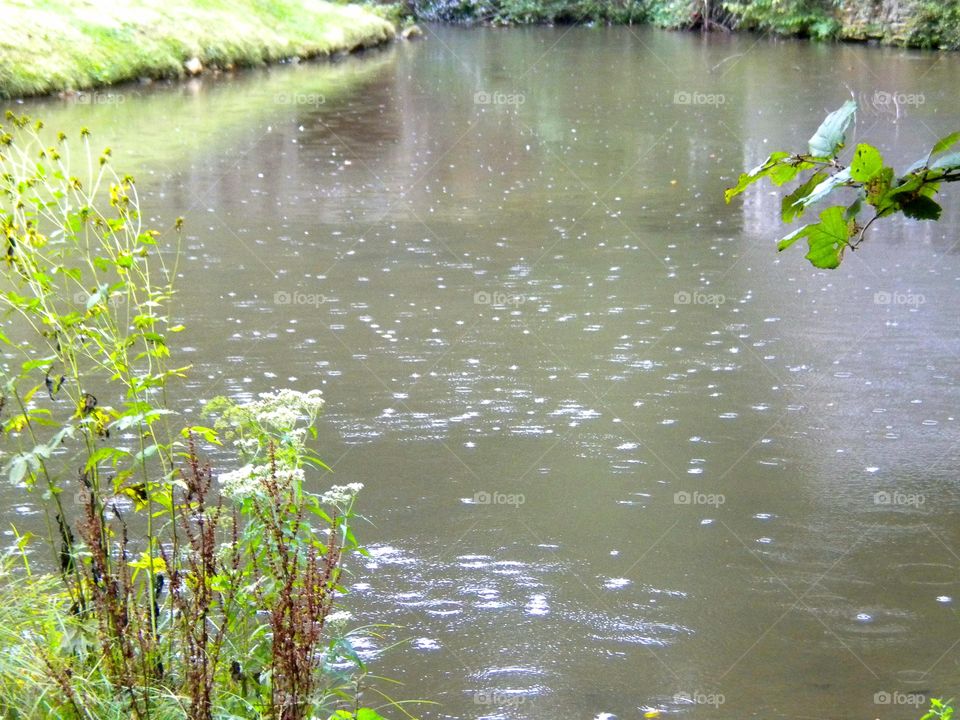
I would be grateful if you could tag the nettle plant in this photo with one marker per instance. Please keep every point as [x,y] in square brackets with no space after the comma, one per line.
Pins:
[874,184]
[181,594]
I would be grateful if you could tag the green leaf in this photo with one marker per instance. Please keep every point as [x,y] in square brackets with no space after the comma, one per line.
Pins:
[148,452]
[830,136]
[888,200]
[208,434]
[828,238]
[760,171]
[784,172]
[368,714]
[906,185]
[854,208]
[105,453]
[791,207]
[39,362]
[790,239]
[867,162]
[826,187]
[922,208]
[947,162]
[17,469]
[944,144]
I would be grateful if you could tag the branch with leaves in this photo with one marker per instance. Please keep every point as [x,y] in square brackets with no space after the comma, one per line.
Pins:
[874,184]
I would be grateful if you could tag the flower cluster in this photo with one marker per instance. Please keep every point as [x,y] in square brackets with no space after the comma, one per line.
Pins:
[279,420]
[339,494]
[282,410]
[249,480]
[338,619]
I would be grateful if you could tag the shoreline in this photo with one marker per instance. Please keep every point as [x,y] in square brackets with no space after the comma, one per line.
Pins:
[69,47]
[907,25]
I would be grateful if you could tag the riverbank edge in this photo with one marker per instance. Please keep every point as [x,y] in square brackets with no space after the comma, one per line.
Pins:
[911,26]
[66,47]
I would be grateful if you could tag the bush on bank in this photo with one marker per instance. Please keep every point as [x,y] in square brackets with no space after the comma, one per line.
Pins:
[916,23]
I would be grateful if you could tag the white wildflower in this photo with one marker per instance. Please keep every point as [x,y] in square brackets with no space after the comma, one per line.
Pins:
[283,409]
[339,618]
[341,493]
[250,479]
[248,446]
[239,483]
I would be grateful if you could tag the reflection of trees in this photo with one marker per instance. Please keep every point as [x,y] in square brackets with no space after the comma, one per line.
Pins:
[291,126]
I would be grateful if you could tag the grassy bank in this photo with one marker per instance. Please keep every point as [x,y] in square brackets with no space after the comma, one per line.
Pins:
[76,44]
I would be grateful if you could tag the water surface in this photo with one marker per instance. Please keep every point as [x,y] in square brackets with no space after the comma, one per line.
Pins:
[618,454]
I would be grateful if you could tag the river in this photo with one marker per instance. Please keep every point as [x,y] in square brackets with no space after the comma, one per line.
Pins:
[618,454]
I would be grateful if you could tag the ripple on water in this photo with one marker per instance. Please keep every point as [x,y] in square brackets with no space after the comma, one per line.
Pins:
[939,575]
[380,555]
[518,671]
[537,605]
[616,583]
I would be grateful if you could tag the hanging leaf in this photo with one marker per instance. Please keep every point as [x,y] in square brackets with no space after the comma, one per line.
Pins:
[760,171]
[790,207]
[922,208]
[867,162]
[943,144]
[828,238]
[826,187]
[830,136]
[950,161]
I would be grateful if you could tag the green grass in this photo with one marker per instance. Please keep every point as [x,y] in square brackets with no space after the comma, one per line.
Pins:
[52,45]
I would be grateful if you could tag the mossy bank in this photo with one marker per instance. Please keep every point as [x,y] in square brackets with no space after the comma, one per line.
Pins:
[59,45]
